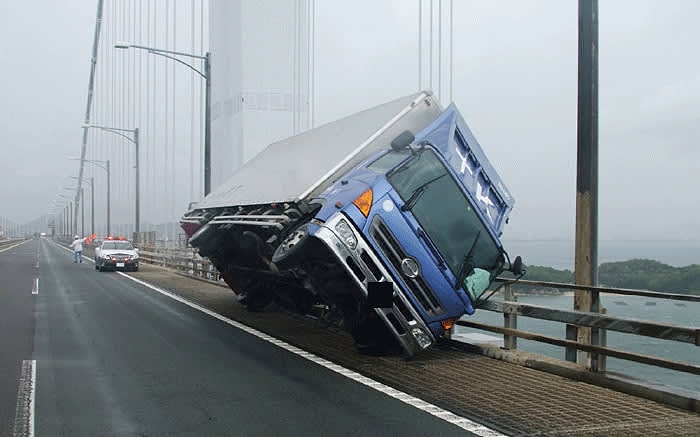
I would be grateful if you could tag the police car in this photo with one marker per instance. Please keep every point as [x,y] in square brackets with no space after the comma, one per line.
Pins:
[116,253]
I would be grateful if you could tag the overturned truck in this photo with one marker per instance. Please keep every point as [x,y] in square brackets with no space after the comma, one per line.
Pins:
[385,223]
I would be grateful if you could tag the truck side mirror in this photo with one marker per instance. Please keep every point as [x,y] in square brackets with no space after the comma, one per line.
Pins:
[402,140]
[517,267]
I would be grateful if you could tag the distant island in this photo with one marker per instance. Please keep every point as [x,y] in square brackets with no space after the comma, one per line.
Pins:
[642,274]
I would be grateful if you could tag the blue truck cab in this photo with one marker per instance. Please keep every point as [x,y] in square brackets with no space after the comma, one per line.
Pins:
[386,223]
[425,216]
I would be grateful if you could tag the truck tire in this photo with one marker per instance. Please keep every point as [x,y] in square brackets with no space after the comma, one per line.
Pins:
[203,240]
[290,250]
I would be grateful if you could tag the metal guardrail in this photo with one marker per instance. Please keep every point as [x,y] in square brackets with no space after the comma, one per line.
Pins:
[511,309]
[10,242]
[187,261]
[184,260]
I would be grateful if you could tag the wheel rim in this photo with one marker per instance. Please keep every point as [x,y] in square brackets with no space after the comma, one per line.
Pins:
[293,239]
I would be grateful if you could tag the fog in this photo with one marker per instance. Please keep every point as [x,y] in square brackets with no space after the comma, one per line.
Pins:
[514,79]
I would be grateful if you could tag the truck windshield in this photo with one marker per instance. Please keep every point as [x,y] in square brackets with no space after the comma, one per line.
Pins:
[445,213]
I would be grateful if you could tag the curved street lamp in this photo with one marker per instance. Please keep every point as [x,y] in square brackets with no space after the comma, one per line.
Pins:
[105,167]
[205,73]
[134,139]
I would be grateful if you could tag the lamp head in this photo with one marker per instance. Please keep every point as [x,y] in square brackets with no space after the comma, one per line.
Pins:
[122,45]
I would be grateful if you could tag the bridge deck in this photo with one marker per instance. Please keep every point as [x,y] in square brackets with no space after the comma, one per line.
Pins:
[513,399]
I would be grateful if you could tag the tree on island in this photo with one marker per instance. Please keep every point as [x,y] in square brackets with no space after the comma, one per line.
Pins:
[642,274]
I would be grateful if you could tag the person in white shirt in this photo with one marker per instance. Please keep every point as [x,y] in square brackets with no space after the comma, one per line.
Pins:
[77,246]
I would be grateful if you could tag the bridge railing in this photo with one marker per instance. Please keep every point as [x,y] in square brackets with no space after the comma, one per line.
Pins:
[511,309]
[183,259]
[186,260]
[5,243]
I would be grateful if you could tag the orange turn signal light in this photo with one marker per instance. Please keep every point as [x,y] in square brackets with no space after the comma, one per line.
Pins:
[447,324]
[364,202]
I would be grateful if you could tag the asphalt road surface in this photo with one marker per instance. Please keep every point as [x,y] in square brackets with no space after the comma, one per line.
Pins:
[86,353]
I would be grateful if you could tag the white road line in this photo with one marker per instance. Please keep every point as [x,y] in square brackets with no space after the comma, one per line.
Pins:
[434,410]
[35,287]
[24,414]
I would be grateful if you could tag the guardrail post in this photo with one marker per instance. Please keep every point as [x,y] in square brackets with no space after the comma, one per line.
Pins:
[510,319]
[599,337]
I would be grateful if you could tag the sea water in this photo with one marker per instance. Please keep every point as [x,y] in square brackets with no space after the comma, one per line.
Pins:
[635,307]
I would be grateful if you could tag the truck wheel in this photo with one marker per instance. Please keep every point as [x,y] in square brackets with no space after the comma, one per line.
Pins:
[256,297]
[290,249]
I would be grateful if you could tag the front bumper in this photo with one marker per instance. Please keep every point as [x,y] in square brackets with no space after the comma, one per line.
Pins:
[119,263]
[363,265]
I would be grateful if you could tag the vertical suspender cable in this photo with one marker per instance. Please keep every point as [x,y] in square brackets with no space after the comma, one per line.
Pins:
[439,55]
[152,89]
[175,142]
[312,60]
[295,72]
[115,101]
[166,112]
[420,44]
[141,99]
[201,99]
[304,82]
[451,47]
[430,47]
[202,91]
[192,105]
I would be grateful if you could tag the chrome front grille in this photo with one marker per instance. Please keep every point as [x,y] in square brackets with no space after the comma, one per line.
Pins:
[394,253]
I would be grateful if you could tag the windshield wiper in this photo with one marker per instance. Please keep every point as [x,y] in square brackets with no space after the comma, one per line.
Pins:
[415,195]
[468,263]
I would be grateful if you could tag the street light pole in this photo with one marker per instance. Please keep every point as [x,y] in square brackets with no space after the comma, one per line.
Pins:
[82,212]
[205,73]
[137,223]
[109,202]
[65,226]
[92,205]
[92,202]
[106,168]
[135,141]
[71,222]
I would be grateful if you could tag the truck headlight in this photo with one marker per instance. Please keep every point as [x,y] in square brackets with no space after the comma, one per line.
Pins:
[346,233]
[422,337]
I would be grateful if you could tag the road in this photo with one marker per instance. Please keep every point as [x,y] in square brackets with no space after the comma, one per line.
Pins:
[114,357]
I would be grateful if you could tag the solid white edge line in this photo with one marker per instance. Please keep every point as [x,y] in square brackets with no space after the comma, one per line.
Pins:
[431,409]
[13,246]
[26,395]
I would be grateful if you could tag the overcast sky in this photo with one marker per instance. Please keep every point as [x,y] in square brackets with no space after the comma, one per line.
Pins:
[514,81]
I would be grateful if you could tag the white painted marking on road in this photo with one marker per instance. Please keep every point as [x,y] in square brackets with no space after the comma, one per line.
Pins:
[24,414]
[448,416]
[35,287]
